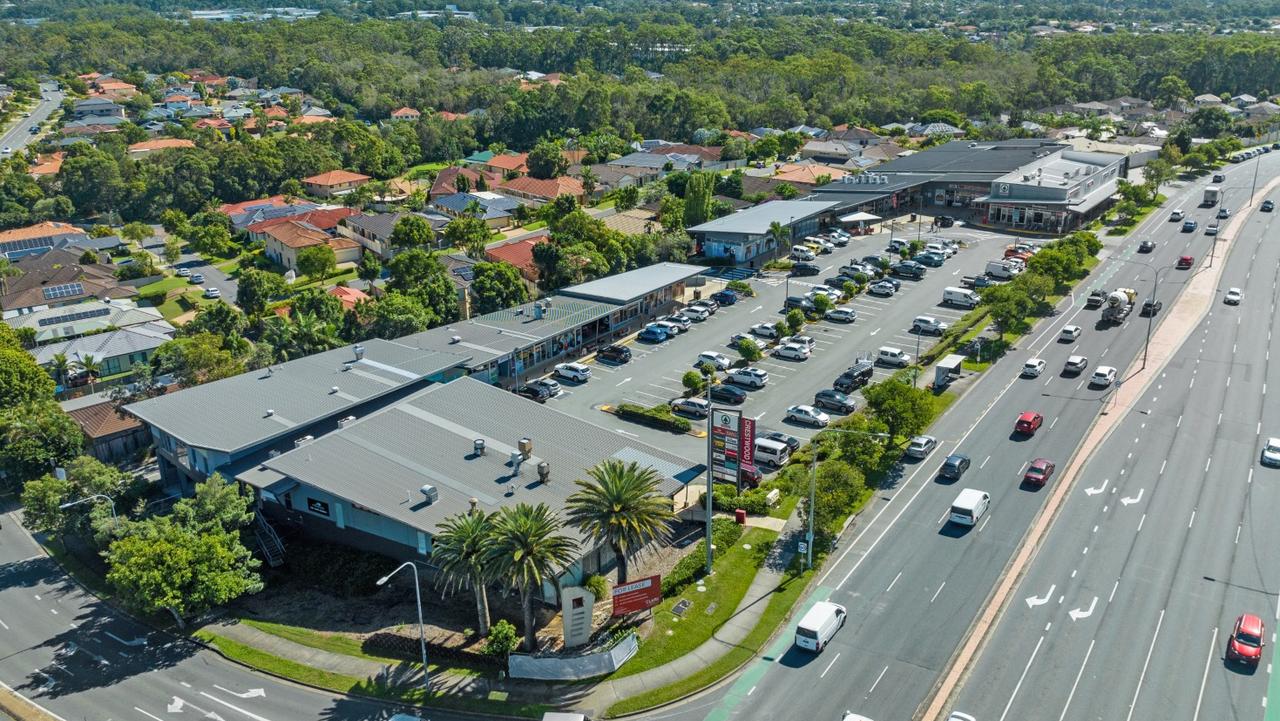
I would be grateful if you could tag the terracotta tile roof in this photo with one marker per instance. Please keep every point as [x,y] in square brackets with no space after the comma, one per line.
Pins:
[405,112]
[275,111]
[314,119]
[519,254]
[348,296]
[446,115]
[177,98]
[274,201]
[101,420]
[510,162]
[742,134]
[335,177]
[808,174]
[551,188]
[216,123]
[446,182]
[252,122]
[48,164]
[342,242]
[39,230]
[296,235]
[323,219]
[161,144]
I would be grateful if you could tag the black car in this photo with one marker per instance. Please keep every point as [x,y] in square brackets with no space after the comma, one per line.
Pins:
[1151,307]
[908,269]
[945,221]
[876,261]
[1096,299]
[803,269]
[723,393]
[614,354]
[798,301]
[791,442]
[954,467]
[534,393]
[725,297]
[1268,206]
[858,375]
[834,400]
[1146,246]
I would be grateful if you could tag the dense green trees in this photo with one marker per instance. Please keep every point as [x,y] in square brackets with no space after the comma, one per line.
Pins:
[495,286]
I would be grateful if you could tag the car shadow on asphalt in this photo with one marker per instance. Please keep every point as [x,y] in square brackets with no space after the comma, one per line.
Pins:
[954,530]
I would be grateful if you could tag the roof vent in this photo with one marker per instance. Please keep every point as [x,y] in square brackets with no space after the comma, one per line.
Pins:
[544,471]
[346,367]
[272,453]
[333,390]
[511,489]
[270,412]
[478,446]
[516,460]
[359,349]
[430,493]
[344,422]
[303,441]
[526,448]
[455,339]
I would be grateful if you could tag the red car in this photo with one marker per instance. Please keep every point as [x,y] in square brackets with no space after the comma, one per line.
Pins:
[1039,472]
[751,476]
[1245,644]
[1028,422]
[1185,262]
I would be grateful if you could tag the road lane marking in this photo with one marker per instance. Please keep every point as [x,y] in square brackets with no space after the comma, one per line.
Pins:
[253,716]
[1213,648]
[1237,541]
[2,623]
[828,668]
[891,583]
[1193,519]
[935,593]
[1021,678]
[148,715]
[1142,677]
[984,523]
[1142,521]
[624,381]
[877,681]
[1079,673]
[1113,590]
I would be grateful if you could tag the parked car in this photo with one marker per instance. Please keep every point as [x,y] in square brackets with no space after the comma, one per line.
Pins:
[576,372]
[212,293]
[737,338]
[857,376]
[551,386]
[537,393]
[791,442]
[796,301]
[928,325]
[1039,472]
[681,321]
[696,313]
[764,330]
[932,260]
[921,446]
[653,334]
[722,393]
[1233,296]
[1028,422]
[708,303]
[954,466]
[908,269]
[696,407]
[672,329]
[843,314]
[834,400]
[807,341]
[804,269]
[725,297]
[792,351]
[719,361]
[184,272]
[884,289]
[1033,368]
[617,354]
[751,377]
[195,278]
[808,415]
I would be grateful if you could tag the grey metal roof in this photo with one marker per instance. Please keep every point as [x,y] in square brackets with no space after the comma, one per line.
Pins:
[232,414]
[756,220]
[625,287]
[382,460]
[80,318]
[102,346]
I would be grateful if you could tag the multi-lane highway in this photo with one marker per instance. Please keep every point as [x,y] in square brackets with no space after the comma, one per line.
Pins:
[18,134]
[1167,537]
[913,583]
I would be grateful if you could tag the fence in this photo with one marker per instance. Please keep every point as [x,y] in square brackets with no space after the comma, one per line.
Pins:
[573,668]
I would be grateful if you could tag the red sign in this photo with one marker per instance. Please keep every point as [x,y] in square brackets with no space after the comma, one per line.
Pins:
[748,441]
[637,596]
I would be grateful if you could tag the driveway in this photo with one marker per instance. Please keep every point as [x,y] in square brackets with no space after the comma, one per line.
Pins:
[213,278]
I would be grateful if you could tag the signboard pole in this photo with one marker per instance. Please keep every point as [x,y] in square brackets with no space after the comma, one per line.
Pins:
[710,481]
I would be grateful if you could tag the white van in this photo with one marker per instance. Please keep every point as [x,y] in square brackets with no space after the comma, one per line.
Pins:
[771,452]
[802,253]
[969,507]
[962,297]
[893,357]
[1002,269]
[819,625]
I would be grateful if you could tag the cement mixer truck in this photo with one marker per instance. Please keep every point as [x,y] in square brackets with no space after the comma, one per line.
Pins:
[1119,304]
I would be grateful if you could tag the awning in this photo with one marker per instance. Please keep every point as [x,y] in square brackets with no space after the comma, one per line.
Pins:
[859,217]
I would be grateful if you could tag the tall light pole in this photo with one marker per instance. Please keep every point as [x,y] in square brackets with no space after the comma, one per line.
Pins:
[1155,288]
[86,499]
[813,480]
[710,505]
[422,629]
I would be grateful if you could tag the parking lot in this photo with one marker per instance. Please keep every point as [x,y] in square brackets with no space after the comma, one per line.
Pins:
[653,376]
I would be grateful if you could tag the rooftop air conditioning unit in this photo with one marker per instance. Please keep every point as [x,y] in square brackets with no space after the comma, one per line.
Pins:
[544,471]
[343,423]
[346,367]
[303,441]
[270,412]
[430,493]
[455,339]
[359,349]
[272,453]
[477,446]
[333,390]
[526,448]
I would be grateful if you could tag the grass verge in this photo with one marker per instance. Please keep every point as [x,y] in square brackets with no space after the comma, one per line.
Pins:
[341,683]
[337,644]
[781,603]
[672,636]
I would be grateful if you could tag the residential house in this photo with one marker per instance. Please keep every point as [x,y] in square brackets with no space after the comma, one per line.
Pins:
[232,113]
[159,112]
[118,351]
[451,117]
[47,165]
[611,177]
[507,164]
[808,174]
[446,182]
[743,135]
[854,134]
[544,191]
[518,253]
[333,183]
[931,129]
[148,147]
[373,230]
[405,113]
[110,436]
[57,278]
[38,238]
[198,112]
[1206,100]
[497,211]
[1091,109]
[480,157]
[97,108]
[218,124]
[348,296]
[248,212]
[325,219]
[658,162]
[636,221]
[177,101]
[830,151]
[809,130]
[884,152]
[1264,110]
[91,316]
[285,240]
[1242,100]
[313,119]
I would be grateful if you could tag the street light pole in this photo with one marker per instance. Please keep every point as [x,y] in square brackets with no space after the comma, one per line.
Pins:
[422,629]
[710,505]
[813,481]
[86,499]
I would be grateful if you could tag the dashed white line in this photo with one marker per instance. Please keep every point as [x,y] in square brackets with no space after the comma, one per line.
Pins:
[3,624]
[1237,541]
[894,581]
[1079,673]
[984,463]
[828,668]
[753,690]
[877,681]
[1142,521]
[1162,464]
[1193,519]
[1141,677]
[1054,423]
[1022,678]
[935,593]
[984,523]
[1113,589]
[1213,653]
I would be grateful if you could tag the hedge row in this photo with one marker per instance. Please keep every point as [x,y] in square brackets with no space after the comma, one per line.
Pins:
[954,334]
[726,499]
[659,417]
[724,533]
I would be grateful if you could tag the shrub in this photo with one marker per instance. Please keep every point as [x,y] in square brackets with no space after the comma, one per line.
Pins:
[726,499]
[503,638]
[659,417]
[741,287]
[724,533]
[597,585]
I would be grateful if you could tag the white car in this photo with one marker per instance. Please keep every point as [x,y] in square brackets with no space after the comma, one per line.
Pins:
[719,361]
[764,330]
[696,312]
[696,407]
[1233,296]
[184,272]
[1033,368]
[831,293]
[672,329]
[1076,364]
[808,415]
[212,293]
[751,377]
[882,289]
[921,446]
[6,150]
[1069,332]
[737,338]
[1271,452]
[928,325]
[1103,376]
[680,320]
[843,314]
[792,351]
[805,340]
[573,372]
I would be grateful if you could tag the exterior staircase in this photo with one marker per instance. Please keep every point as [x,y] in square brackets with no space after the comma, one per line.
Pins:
[269,543]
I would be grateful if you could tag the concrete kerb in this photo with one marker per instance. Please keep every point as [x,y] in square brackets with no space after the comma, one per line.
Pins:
[1182,320]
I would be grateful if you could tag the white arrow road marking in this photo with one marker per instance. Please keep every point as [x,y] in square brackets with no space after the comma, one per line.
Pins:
[1033,601]
[139,641]
[151,716]
[178,704]
[624,380]
[253,716]
[251,693]
[175,706]
[877,330]
[1076,614]
[1099,489]
[1135,499]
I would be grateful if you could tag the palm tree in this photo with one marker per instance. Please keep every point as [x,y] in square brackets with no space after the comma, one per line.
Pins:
[92,366]
[459,549]
[528,550]
[60,366]
[620,506]
[780,235]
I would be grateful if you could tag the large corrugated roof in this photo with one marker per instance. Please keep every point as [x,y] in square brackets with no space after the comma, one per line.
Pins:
[232,414]
[756,220]
[381,461]
[625,287]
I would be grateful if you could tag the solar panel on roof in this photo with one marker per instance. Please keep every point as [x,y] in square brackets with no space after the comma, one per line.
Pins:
[72,317]
[66,290]
[466,273]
